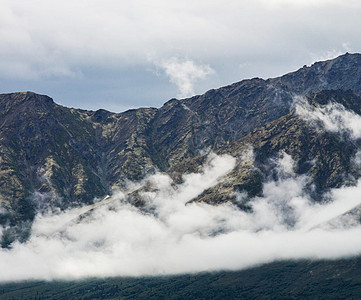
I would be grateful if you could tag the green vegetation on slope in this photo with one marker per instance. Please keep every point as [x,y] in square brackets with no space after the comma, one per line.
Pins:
[339,279]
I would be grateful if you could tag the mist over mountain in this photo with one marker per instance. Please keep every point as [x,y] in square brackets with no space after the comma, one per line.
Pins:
[258,162]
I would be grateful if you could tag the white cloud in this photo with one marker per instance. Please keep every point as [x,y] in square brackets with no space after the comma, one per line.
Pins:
[117,239]
[333,117]
[185,74]
[80,52]
[61,37]
[312,3]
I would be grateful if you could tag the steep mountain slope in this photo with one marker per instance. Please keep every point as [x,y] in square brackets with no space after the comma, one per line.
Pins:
[53,156]
[326,157]
[340,73]
[183,127]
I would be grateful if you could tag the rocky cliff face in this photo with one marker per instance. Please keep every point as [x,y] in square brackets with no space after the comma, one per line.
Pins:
[53,156]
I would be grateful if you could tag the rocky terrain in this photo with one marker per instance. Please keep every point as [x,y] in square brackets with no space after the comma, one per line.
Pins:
[55,157]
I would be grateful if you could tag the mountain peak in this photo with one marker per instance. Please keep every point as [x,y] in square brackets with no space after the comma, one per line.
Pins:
[25,97]
[84,154]
[342,72]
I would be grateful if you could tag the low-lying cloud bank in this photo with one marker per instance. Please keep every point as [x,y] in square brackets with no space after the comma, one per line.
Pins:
[334,117]
[173,236]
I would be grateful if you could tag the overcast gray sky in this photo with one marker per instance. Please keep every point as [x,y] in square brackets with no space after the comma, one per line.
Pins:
[123,54]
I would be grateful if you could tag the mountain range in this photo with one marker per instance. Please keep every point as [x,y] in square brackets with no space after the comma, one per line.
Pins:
[54,157]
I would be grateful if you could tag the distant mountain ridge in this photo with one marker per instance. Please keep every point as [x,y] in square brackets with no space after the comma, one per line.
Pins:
[55,156]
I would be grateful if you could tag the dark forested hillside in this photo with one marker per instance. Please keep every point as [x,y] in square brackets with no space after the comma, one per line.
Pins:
[303,279]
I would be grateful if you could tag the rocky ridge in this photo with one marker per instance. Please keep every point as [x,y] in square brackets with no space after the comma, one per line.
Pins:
[53,156]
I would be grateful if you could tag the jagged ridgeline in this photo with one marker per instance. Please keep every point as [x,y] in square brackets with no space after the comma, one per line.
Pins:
[57,157]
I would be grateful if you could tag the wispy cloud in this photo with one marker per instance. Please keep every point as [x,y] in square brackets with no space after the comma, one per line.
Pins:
[185,74]
[333,117]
